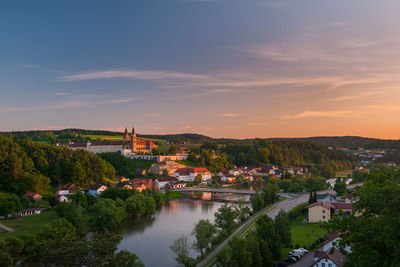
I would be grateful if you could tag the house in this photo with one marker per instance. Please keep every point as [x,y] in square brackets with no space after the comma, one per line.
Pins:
[320,211]
[61,198]
[140,171]
[331,258]
[96,189]
[178,185]
[141,184]
[34,196]
[170,166]
[72,189]
[332,240]
[121,179]
[182,150]
[327,197]
[124,185]
[188,174]
[162,183]
[323,211]
[28,212]
[62,192]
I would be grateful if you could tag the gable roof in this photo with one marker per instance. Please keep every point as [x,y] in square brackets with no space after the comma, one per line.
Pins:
[327,205]
[334,255]
[32,194]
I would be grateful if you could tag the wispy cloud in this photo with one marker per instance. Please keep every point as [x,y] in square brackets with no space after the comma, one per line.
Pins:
[314,114]
[202,94]
[230,114]
[52,94]
[65,105]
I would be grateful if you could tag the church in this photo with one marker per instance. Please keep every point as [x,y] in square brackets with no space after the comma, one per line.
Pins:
[129,146]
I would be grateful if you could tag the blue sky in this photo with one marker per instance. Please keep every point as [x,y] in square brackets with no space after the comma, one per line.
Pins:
[225,68]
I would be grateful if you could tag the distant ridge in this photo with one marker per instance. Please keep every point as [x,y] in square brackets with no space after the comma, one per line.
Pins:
[333,141]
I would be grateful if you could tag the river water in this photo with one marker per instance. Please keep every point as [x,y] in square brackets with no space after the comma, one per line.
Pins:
[150,236]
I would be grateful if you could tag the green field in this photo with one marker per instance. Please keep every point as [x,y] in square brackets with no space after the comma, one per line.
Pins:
[187,163]
[28,224]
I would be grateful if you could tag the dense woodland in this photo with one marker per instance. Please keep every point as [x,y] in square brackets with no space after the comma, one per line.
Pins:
[29,166]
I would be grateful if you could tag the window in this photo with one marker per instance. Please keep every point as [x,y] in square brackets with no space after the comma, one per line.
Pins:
[323,264]
[329,265]
[323,211]
[323,217]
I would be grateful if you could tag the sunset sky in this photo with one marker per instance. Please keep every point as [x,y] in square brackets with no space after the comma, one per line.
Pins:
[223,68]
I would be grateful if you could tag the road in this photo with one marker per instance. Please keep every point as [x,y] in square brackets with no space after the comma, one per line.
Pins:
[287,204]
[2,226]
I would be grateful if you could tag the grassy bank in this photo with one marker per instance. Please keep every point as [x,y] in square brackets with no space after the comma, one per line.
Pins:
[28,224]
[174,195]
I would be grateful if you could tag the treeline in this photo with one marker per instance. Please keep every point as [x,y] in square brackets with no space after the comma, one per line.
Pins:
[86,212]
[373,228]
[384,144]
[261,247]
[28,166]
[317,157]
[59,244]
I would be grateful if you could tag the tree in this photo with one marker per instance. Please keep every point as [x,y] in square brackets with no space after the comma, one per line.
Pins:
[265,231]
[340,186]
[105,213]
[238,254]
[125,259]
[14,246]
[242,211]
[198,179]
[283,228]
[181,248]
[135,205]
[374,226]
[257,202]
[204,232]
[56,229]
[225,218]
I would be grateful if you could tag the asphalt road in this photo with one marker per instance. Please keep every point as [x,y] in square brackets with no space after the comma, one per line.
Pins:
[287,205]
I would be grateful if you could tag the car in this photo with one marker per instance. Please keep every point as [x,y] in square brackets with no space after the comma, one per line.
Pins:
[290,260]
[297,257]
[281,264]
[303,249]
[297,252]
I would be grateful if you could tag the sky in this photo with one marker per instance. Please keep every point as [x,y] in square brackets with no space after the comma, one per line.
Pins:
[223,68]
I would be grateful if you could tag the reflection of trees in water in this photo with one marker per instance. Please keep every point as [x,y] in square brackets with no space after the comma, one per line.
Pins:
[137,224]
[207,206]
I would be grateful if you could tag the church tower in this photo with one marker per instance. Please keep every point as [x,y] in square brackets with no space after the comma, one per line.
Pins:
[126,135]
[134,147]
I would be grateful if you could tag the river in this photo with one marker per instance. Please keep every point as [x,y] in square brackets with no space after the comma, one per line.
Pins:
[150,236]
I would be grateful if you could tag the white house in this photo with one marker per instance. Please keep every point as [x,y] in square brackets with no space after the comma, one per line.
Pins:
[332,241]
[330,258]
[97,189]
[188,174]
[62,198]
[161,183]
[62,192]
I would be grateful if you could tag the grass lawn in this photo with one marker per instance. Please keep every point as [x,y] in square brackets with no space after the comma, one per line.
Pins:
[187,163]
[140,163]
[30,224]
[305,235]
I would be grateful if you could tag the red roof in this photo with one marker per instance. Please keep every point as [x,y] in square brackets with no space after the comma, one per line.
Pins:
[32,194]
[145,143]
[326,205]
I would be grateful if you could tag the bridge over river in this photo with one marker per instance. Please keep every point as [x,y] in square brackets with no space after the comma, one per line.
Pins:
[212,190]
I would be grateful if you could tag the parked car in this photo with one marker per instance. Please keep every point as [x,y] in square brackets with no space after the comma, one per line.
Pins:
[297,257]
[303,249]
[297,252]
[290,260]
[282,264]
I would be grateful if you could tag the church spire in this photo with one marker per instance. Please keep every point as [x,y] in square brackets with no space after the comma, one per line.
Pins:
[126,135]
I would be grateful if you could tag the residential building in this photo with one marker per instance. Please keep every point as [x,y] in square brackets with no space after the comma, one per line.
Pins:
[34,196]
[323,211]
[72,189]
[332,240]
[170,166]
[61,198]
[141,184]
[96,189]
[162,183]
[331,258]
[327,197]
[188,174]
[178,185]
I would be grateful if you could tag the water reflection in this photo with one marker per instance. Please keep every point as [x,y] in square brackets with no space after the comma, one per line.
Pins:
[150,236]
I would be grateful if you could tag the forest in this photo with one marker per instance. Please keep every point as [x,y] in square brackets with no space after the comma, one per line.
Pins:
[29,166]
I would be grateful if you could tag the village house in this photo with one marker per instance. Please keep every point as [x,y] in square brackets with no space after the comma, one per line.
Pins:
[121,179]
[177,185]
[332,240]
[327,197]
[140,171]
[96,189]
[188,174]
[34,196]
[123,185]
[323,211]
[162,183]
[331,258]
[170,166]
[141,184]
[72,189]
[61,198]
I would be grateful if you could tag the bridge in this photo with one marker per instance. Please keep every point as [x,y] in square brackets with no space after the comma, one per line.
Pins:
[212,190]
